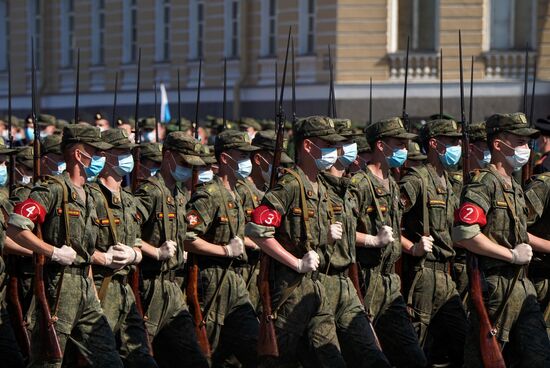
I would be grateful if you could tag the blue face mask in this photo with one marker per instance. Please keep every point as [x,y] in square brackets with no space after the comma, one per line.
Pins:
[181,173]
[154,170]
[397,158]
[96,165]
[125,164]
[3,175]
[244,167]
[327,159]
[18,137]
[205,175]
[61,166]
[349,155]
[148,136]
[29,133]
[451,157]
[486,160]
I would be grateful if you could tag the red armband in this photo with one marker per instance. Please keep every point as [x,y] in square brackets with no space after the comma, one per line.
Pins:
[266,216]
[470,214]
[32,210]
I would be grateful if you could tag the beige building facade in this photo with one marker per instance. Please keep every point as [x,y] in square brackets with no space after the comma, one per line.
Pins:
[367,38]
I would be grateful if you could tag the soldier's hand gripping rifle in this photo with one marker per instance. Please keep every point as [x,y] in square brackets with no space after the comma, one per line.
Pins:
[18,319]
[489,346]
[51,349]
[193,268]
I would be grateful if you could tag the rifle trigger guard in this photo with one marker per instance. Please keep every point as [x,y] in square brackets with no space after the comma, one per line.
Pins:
[493,332]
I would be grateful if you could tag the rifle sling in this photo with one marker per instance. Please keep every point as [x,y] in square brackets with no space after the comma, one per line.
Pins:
[102,292]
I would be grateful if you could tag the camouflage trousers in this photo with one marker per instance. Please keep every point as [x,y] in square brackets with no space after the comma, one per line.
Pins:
[436,311]
[460,277]
[231,322]
[542,286]
[250,276]
[304,323]
[119,306]
[391,321]
[81,325]
[9,352]
[169,324]
[521,327]
[355,336]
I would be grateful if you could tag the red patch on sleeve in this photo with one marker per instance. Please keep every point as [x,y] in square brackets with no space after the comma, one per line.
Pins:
[32,210]
[471,214]
[193,219]
[266,216]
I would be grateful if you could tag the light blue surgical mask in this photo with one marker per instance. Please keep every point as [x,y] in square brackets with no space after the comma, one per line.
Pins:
[97,164]
[154,170]
[397,158]
[486,160]
[205,175]
[61,166]
[29,133]
[349,154]
[244,167]
[451,157]
[148,136]
[125,164]
[18,137]
[327,159]
[181,173]
[43,134]
[3,175]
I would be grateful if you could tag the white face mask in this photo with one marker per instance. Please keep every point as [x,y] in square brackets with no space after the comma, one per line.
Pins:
[519,158]
[205,175]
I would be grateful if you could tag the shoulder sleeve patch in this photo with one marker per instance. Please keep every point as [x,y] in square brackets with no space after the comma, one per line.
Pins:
[193,219]
[470,214]
[266,216]
[32,210]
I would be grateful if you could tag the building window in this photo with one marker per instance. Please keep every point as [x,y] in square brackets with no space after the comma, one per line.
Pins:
[307,26]
[162,30]
[232,29]
[129,25]
[4,34]
[98,32]
[67,33]
[196,29]
[513,24]
[35,31]
[269,28]
[418,20]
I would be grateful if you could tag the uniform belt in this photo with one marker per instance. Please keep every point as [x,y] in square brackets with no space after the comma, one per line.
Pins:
[167,275]
[336,272]
[81,270]
[384,269]
[436,265]
[505,271]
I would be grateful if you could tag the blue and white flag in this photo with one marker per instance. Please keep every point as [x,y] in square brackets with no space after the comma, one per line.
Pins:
[165,116]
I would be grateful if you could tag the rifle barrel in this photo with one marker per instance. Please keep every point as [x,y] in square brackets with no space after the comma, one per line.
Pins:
[526,77]
[77,88]
[136,111]
[113,122]
[196,127]
[179,101]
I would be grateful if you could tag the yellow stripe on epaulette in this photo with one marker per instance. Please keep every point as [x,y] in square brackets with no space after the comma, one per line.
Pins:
[74,213]
[105,221]
[371,209]
[501,204]
[171,215]
[436,201]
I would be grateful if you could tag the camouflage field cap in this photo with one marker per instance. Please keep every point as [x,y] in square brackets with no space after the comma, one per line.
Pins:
[266,140]
[15,121]
[388,128]
[233,139]
[543,125]
[118,138]
[147,123]
[344,127]
[250,123]
[51,144]
[25,156]
[83,133]
[414,153]
[477,132]
[363,145]
[188,147]
[207,154]
[151,151]
[317,127]
[122,121]
[438,128]
[268,124]
[60,124]
[45,120]
[4,150]
[514,123]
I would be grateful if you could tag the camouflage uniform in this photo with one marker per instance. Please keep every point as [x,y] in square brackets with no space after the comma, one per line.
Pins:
[167,318]
[433,300]
[383,298]
[217,216]
[537,197]
[79,313]
[520,326]
[11,357]
[115,294]
[305,320]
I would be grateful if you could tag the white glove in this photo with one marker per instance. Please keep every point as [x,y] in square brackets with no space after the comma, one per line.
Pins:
[522,254]
[309,262]
[64,255]
[124,255]
[335,231]
[235,247]
[383,238]
[423,246]
[166,250]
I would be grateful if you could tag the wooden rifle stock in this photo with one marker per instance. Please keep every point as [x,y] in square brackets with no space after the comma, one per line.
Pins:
[193,299]
[267,339]
[19,324]
[353,272]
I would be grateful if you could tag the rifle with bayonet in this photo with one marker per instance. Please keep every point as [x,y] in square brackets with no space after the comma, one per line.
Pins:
[489,346]
[527,169]
[404,115]
[331,98]
[113,121]
[267,339]
[18,319]
[135,274]
[50,347]
[179,101]
[191,289]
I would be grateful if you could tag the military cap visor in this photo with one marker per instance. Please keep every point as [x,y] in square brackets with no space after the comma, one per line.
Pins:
[190,159]
[389,128]
[515,123]
[151,151]
[85,134]
[118,138]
